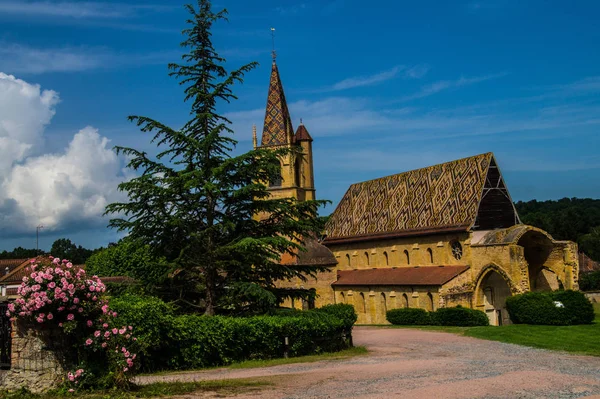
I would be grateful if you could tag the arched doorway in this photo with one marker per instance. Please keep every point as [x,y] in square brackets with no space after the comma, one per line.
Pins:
[492,291]
[536,249]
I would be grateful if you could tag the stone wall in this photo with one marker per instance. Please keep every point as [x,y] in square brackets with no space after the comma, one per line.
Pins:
[33,365]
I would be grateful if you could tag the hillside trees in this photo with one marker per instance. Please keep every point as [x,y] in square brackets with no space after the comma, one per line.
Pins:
[196,204]
[575,219]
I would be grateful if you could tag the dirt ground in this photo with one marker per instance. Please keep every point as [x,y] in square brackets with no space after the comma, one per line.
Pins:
[412,363]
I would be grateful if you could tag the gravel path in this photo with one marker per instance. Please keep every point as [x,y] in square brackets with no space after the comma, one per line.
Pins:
[412,363]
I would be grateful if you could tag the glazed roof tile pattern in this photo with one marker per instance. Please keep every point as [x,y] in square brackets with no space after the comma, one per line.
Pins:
[438,197]
[427,275]
[302,134]
[277,129]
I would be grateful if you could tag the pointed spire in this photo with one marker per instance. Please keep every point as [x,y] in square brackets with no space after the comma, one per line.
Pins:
[278,128]
[302,134]
[254,140]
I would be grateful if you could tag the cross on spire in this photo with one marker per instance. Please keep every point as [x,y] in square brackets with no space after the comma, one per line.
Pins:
[273,53]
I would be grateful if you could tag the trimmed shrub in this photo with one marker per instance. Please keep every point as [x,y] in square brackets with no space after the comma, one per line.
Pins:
[578,308]
[408,316]
[459,316]
[152,319]
[539,308]
[343,311]
[195,341]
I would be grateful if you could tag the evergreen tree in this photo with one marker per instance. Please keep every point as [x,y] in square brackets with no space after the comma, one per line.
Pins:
[197,205]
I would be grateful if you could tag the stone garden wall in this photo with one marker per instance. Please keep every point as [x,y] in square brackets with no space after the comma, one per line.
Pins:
[33,365]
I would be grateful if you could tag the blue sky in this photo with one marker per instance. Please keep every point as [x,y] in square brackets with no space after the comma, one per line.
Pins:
[383,88]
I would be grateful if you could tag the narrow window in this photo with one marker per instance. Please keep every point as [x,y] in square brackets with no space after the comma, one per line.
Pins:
[348,260]
[277,180]
[298,171]
[407,257]
[430,306]
[342,297]
[383,304]
[405,301]
[363,303]
[366,258]
[386,259]
[430,253]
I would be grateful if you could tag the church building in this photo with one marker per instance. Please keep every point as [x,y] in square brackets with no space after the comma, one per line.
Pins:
[440,236]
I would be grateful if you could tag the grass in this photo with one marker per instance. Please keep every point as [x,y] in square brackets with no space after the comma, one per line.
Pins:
[343,354]
[156,390]
[580,339]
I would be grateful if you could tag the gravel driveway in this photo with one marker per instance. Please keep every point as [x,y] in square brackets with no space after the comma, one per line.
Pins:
[412,363]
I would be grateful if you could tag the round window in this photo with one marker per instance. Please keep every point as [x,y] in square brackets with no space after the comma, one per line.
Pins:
[457,251]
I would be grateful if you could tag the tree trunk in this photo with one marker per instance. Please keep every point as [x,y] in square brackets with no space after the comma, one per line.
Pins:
[211,295]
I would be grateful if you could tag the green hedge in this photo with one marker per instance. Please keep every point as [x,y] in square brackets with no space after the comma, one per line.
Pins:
[540,308]
[457,316]
[589,281]
[195,341]
[408,317]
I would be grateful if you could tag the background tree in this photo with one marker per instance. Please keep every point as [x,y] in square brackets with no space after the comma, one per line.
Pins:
[575,219]
[64,248]
[21,253]
[196,204]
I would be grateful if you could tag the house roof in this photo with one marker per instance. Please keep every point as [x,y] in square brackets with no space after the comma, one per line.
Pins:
[316,254]
[426,275]
[449,197]
[277,129]
[16,273]
[8,265]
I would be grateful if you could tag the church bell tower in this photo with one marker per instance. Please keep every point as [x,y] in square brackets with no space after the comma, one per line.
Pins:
[297,178]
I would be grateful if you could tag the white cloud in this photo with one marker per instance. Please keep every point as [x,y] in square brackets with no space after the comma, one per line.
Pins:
[25,110]
[57,190]
[77,9]
[29,60]
[414,72]
[441,85]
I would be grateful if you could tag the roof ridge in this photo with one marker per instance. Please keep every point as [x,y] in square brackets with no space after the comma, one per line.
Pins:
[425,167]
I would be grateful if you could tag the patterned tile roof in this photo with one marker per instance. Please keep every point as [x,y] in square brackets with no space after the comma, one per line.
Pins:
[437,198]
[428,275]
[277,128]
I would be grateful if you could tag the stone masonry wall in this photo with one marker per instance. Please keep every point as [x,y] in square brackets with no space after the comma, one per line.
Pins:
[32,364]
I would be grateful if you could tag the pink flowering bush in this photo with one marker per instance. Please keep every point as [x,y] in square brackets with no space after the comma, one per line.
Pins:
[70,311]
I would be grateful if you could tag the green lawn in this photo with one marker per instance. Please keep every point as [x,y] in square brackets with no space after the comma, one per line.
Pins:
[220,388]
[582,339]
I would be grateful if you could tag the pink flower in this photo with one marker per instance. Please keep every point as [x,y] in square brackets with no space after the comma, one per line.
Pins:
[71,390]
[107,334]
[130,328]
[97,334]
[92,288]
[122,331]
[125,369]
[105,309]
[70,316]
[88,342]
[105,325]
[75,301]
[90,323]
[50,316]
[115,331]
[104,344]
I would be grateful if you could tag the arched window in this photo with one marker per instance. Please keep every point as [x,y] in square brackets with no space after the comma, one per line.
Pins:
[298,171]
[386,259]
[383,303]
[348,260]
[342,297]
[366,259]
[311,300]
[407,257]
[430,306]
[277,180]
[363,303]
[405,301]
[430,253]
